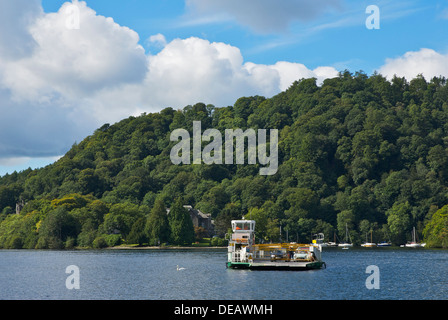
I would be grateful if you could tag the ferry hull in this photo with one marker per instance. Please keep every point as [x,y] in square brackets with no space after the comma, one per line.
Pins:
[291,266]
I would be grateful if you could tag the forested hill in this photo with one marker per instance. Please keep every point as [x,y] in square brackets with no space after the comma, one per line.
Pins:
[357,151]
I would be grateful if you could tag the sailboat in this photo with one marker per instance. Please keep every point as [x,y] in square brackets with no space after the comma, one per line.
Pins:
[346,244]
[369,244]
[414,243]
[332,243]
[384,244]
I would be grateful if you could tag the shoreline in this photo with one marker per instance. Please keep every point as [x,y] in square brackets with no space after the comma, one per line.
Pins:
[162,248]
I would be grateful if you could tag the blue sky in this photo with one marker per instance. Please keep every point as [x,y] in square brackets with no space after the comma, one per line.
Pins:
[337,36]
[155,54]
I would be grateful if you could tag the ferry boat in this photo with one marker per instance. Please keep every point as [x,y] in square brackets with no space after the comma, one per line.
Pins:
[243,253]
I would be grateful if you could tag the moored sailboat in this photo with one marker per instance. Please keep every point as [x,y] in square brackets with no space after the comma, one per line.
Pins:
[346,244]
[384,244]
[414,243]
[369,244]
[332,243]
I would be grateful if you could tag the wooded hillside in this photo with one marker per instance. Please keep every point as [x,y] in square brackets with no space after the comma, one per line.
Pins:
[358,151]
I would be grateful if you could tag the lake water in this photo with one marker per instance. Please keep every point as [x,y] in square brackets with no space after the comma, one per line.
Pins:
[404,274]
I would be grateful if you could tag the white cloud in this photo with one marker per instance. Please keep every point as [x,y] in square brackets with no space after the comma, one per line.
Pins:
[15,19]
[264,16]
[427,62]
[157,40]
[46,89]
[58,84]
[194,69]
[72,62]
[290,72]
[155,43]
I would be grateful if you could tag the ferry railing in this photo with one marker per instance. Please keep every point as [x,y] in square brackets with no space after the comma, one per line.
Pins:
[282,254]
[239,257]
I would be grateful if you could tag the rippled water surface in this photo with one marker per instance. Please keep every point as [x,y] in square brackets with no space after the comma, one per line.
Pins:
[152,274]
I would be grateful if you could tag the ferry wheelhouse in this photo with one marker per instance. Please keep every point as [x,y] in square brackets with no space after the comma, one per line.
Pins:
[243,253]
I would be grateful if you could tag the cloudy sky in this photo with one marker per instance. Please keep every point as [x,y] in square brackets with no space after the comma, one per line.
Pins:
[66,68]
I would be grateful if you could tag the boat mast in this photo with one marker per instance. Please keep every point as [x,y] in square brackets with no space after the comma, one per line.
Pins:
[346,233]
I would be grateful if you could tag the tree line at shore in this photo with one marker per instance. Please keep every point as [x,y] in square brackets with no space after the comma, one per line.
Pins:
[358,151]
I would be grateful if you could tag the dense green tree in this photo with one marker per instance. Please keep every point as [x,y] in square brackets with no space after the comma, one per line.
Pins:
[157,226]
[120,219]
[345,221]
[398,219]
[181,226]
[87,235]
[436,230]
[56,228]
[230,212]
[261,222]
[137,235]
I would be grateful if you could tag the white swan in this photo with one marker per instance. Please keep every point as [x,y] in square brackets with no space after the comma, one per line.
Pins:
[178,269]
